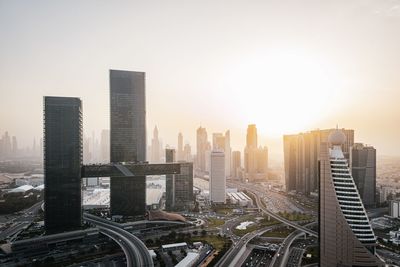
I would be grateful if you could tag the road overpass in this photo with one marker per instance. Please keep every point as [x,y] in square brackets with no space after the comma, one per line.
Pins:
[262,207]
[135,250]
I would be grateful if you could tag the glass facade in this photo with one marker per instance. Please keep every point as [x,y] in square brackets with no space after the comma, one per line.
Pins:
[127,140]
[62,163]
[179,187]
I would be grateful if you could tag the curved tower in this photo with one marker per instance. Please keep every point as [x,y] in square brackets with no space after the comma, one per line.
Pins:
[346,236]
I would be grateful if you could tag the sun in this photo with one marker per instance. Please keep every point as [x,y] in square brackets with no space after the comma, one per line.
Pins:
[282,91]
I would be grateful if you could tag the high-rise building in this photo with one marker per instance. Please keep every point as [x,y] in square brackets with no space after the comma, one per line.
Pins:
[179,187]
[127,140]
[180,147]
[15,146]
[345,235]
[105,146]
[301,154]
[236,164]
[155,147]
[87,155]
[223,142]
[255,158]
[251,137]
[62,163]
[170,156]
[202,143]
[394,208]
[363,170]
[217,177]
[7,148]
[187,153]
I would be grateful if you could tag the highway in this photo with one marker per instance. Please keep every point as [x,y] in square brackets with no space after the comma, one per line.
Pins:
[135,250]
[235,252]
[261,206]
[285,248]
[21,222]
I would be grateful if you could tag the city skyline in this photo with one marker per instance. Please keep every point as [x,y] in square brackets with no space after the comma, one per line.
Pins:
[245,69]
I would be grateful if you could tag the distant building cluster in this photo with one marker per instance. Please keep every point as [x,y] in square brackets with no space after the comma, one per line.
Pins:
[302,156]
[9,148]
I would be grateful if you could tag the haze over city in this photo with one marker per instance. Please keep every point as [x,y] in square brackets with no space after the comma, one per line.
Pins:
[287,66]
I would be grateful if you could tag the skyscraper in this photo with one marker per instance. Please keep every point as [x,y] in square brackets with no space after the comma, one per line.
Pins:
[170,156]
[223,142]
[202,143]
[255,159]
[236,164]
[105,146]
[62,163]
[301,155]
[251,137]
[127,140]
[179,187]
[187,153]
[180,147]
[155,147]
[217,177]
[345,234]
[363,170]
[15,146]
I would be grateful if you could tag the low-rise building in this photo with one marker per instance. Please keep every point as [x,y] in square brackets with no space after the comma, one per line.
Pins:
[394,208]
[175,246]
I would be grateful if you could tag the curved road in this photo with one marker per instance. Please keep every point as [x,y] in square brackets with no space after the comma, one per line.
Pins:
[233,254]
[261,206]
[135,250]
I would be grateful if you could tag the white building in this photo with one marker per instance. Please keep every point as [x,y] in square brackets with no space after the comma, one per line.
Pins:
[240,198]
[217,177]
[394,208]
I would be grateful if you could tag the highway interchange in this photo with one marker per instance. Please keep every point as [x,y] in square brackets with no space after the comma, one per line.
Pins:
[135,250]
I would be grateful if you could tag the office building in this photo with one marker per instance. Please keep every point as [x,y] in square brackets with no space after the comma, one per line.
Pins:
[345,235]
[255,158]
[127,140]
[394,208]
[236,164]
[301,155]
[179,187]
[155,147]
[217,177]
[187,153]
[180,153]
[105,146]
[202,144]
[15,146]
[223,142]
[363,170]
[62,163]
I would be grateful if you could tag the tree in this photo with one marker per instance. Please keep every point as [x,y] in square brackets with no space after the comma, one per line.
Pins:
[203,232]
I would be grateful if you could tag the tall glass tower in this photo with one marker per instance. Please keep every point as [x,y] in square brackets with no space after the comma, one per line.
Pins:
[127,140]
[62,163]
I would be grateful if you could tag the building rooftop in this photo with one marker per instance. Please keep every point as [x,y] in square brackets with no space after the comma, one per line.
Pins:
[174,245]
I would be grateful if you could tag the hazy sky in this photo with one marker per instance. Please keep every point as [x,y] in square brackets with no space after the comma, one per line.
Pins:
[287,66]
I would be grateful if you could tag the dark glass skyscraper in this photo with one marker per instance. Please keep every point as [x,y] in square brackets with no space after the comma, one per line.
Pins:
[179,187]
[62,163]
[127,139]
[363,170]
